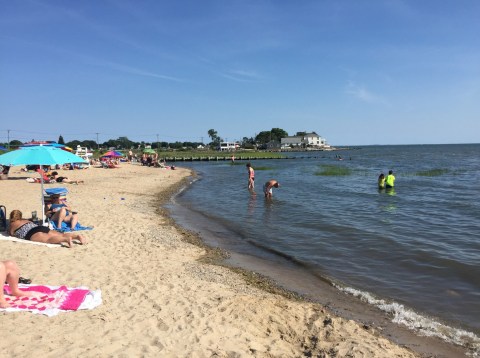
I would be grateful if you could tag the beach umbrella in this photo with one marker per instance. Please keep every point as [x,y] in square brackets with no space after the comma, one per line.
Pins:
[39,155]
[113,153]
[149,151]
[51,144]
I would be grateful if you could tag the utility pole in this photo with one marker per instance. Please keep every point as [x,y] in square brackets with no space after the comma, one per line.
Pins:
[97,141]
[8,139]
[157,143]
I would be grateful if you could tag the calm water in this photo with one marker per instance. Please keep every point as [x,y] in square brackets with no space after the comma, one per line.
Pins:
[414,252]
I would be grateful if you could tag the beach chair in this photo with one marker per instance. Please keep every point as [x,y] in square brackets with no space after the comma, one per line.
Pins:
[47,198]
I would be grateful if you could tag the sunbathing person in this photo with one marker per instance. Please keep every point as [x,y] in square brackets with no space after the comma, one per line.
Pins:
[60,179]
[60,212]
[28,230]
[10,274]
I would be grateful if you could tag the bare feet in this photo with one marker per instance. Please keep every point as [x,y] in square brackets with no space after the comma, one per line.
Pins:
[80,238]
[69,242]
[19,293]
[4,304]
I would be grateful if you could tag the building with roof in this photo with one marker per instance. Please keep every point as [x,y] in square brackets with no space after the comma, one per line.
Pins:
[307,140]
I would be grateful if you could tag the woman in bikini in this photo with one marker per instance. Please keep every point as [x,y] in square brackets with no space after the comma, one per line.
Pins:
[28,230]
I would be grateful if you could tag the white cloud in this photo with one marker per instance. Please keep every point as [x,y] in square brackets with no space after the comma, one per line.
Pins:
[136,71]
[241,76]
[362,93]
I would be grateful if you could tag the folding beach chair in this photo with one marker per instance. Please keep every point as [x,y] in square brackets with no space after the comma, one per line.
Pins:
[47,198]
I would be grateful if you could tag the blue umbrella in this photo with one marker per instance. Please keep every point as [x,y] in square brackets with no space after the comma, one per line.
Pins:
[39,155]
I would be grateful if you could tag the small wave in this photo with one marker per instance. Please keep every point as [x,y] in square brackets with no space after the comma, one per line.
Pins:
[418,323]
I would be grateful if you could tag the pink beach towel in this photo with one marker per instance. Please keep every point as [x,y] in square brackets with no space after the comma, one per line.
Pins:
[51,300]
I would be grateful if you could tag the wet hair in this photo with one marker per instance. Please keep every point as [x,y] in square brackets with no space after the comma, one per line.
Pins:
[248,165]
[381,176]
[390,172]
[15,215]
[54,173]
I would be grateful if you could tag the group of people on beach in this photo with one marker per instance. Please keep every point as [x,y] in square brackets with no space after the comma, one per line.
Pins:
[267,187]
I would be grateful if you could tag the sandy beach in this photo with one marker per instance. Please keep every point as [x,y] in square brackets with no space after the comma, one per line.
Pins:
[159,300]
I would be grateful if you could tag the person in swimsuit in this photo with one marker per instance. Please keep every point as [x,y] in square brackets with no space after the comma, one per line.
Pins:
[381,181]
[268,187]
[28,230]
[251,177]
[10,274]
[60,179]
[60,212]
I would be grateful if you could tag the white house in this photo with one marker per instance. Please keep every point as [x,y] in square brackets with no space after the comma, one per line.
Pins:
[228,146]
[308,140]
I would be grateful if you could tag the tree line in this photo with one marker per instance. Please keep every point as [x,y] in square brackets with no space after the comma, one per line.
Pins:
[260,140]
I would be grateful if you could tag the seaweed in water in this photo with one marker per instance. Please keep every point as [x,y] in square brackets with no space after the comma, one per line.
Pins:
[333,170]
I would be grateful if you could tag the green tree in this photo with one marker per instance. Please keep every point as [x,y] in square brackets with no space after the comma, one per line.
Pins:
[15,143]
[275,134]
[263,137]
[278,133]
[212,133]
[60,140]
[124,143]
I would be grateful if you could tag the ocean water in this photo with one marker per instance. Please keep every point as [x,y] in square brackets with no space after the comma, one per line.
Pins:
[413,252]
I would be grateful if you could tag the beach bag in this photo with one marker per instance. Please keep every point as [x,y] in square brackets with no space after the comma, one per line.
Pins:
[3,218]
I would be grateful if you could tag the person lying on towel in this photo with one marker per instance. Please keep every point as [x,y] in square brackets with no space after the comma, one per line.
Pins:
[60,179]
[28,230]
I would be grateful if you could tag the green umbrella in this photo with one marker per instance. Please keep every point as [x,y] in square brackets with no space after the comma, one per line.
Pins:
[149,151]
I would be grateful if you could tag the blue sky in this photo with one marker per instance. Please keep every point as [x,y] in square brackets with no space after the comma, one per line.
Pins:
[356,72]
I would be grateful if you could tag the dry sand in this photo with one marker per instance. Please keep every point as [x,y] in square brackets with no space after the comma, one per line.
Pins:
[159,300]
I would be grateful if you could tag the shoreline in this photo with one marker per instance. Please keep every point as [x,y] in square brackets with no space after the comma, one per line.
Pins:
[159,299]
[271,277]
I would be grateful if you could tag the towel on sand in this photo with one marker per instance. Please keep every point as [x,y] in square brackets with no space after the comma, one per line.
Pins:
[51,300]
[6,237]
[66,227]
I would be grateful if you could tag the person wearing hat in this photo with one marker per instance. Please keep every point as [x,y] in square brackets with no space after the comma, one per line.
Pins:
[60,212]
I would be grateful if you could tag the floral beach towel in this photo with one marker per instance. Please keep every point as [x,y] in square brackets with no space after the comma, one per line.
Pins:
[51,300]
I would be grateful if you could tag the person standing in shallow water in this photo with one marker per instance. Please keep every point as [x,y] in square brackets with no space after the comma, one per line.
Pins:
[251,177]
[268,187]
[381,181]
[390,181]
